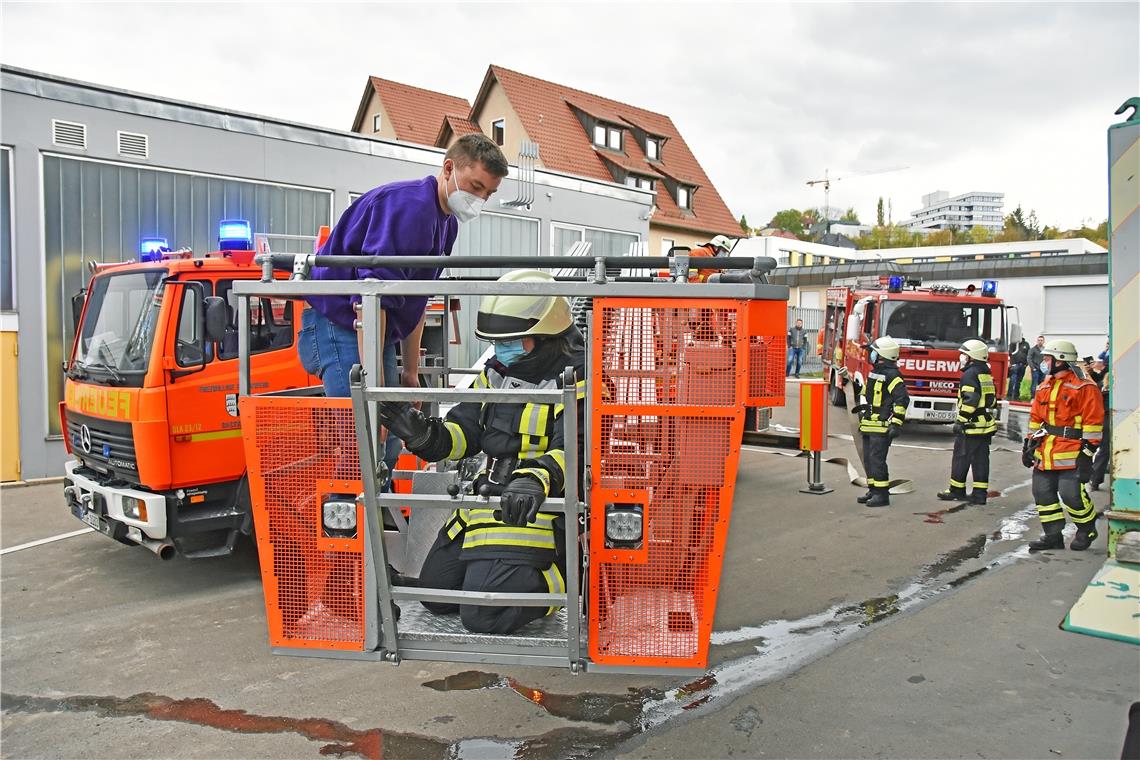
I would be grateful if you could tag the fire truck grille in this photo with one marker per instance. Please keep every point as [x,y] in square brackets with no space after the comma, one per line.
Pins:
[104,443]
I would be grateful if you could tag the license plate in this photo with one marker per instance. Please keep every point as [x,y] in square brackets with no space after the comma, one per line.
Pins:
[92,520]
[938,416]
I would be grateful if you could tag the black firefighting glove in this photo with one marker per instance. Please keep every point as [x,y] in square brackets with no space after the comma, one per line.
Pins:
[858,408]
[1084,461]
[406,422]
[521,500]
[959,428]
[894,431]
[1028,446]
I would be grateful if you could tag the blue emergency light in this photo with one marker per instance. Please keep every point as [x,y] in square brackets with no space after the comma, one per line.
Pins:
[895,283]
[152,249]
[234,235]
[989,288]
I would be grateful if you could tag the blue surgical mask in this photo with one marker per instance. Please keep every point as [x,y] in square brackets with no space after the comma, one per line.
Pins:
[1045,367]
[509,351]
[466,206]
[874,356]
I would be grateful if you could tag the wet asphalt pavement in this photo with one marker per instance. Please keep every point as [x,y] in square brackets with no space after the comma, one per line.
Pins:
[841,631]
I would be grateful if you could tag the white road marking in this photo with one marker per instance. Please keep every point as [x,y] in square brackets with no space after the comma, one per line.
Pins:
[42,541]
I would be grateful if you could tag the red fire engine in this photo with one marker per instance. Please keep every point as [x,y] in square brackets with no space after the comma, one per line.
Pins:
[929,324]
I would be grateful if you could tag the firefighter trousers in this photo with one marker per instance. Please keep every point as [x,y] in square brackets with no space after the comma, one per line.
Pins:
[1052,488]
[875,448]
[443,568]
[971,453]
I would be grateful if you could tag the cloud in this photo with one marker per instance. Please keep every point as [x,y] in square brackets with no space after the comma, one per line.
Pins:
[1006,97]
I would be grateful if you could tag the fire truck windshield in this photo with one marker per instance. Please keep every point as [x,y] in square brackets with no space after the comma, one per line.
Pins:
[118,327]
[942,324]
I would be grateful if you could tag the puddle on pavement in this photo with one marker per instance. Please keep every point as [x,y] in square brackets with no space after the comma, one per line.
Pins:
[935,518]
[338,739]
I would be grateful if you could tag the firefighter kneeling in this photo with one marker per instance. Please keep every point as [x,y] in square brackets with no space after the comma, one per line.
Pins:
[1065,424]
[517,549]
[975,428]
[882,411]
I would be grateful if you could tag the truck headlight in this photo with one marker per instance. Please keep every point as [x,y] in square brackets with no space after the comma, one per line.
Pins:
[623,526]
[134,508]
[338,515]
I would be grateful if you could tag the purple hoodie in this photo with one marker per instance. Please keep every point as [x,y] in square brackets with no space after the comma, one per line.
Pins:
[397,219]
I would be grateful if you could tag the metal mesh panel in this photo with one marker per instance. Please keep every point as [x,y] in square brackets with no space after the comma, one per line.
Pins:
[668,429]
[766,365]
[297,450]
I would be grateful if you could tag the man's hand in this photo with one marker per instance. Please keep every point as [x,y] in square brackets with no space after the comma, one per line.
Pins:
[405,421]
[521,500]
[959,428]
[894,431]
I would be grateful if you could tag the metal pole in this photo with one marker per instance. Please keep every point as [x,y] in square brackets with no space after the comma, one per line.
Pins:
[572,495]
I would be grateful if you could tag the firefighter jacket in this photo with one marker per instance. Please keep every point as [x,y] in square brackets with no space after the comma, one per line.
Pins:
[1071,411]
[884,399]
[977,400]
[532,433]
[701,252]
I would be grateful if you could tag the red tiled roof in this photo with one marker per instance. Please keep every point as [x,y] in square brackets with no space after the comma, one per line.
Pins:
[628,163]
[416,114]
[455,125]
[548,118]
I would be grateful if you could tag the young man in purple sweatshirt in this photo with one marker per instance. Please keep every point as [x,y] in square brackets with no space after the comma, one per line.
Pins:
[410,218]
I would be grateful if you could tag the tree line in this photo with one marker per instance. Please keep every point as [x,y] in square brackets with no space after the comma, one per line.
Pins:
[809,225]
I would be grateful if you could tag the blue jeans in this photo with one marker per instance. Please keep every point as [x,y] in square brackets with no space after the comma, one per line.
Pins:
[1038,376]
[1016,372]
[795,356]
[328,351]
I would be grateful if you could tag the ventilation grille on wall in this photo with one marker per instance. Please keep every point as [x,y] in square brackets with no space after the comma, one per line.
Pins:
[69,134]
[134,145]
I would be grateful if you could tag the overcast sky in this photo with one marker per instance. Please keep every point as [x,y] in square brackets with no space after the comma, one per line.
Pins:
[983,96]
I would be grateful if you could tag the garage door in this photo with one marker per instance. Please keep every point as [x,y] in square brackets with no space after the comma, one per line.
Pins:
[1076,309]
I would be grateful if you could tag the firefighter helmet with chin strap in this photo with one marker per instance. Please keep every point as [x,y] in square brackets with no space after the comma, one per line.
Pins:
[886,347]
[975,349]
[513,316]
[722,243]
[1062,350]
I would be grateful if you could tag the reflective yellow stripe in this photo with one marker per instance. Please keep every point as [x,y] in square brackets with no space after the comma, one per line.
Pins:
[957,483]
[559,457]
[1034,425]
[1053,403]
[458,440]
[541,475]
[893,383]
[1093,429]
[499,535]
[555,584]
[966,388]
[481,381]
[485,517]
[217,435]
[1066,454]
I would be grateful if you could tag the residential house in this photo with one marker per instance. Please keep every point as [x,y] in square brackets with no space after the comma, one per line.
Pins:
[578,133]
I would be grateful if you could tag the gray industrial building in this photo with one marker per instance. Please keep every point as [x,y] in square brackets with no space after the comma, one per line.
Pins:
[89,170]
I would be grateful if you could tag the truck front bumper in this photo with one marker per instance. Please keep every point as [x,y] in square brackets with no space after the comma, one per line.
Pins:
[101,507]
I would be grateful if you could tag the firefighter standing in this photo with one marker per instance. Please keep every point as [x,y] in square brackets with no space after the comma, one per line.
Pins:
[1065,424]
[882,409]
[975,428]
[514,548]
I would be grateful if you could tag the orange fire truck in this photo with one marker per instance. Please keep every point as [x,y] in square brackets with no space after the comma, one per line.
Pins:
[929,324]
[150,409]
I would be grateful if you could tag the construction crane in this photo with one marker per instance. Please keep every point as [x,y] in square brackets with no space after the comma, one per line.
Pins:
[828,179]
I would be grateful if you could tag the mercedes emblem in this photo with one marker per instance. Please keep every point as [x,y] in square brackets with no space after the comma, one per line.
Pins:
[85,439]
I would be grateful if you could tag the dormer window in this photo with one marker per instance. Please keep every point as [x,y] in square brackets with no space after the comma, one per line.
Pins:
[606,136]
[653,149]
[644,183]
[499,131]
[684,197]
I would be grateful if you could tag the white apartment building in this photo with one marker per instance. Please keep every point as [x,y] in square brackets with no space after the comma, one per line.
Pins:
[939,211]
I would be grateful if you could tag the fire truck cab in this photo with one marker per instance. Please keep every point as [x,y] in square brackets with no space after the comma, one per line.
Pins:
[929,324]
[150,409]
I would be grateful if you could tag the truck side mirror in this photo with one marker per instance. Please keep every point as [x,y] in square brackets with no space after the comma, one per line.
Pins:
[217,318]
[77,309]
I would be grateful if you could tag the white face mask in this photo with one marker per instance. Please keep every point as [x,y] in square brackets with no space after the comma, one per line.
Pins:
[963,360]
[466,206]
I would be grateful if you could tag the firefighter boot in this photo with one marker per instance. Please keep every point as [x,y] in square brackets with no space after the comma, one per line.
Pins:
[978,497]
[879,498]
[1086,534]
[865,497]
[1051,539]
[952,494]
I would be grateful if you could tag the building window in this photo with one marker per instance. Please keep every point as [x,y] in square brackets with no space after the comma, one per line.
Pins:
[652,149]
[615,138]
[646,184]
[666,244]
[600,135]
[684,199]
[375,122]
[499,131]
